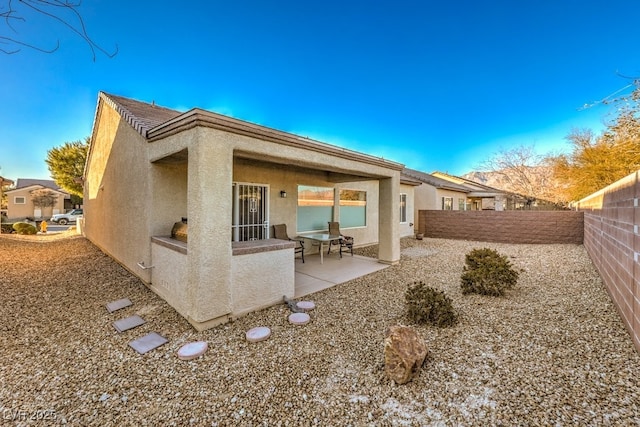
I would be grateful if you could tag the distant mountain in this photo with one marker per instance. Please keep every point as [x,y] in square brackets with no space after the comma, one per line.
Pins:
[492,179]
[527,180]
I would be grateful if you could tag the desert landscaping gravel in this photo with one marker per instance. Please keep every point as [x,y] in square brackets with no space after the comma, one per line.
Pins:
[553,351]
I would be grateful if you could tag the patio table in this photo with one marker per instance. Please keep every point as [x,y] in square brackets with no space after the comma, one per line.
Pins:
[321,238]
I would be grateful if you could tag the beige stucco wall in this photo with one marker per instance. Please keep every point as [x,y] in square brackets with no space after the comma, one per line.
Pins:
[428,197]
[169,273]
[117,196]
[20,211]
[261,280]
[406,228]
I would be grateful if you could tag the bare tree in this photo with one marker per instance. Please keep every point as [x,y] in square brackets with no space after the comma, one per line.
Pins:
[65,12]
[521,170]
[43,198]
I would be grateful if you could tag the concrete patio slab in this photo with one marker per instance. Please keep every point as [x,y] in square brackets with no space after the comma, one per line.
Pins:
[311,276]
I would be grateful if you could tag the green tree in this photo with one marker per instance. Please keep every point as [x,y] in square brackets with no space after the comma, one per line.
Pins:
[66,164]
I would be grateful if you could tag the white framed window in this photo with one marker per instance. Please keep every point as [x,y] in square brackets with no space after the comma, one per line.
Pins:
[462,204]
[353,208]
[403,208]
[315,208]
[19,200]
[447,203]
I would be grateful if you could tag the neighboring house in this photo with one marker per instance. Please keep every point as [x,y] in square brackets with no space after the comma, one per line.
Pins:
[480,196]
[435,193]
[440,191]
[149,166]
[20,199]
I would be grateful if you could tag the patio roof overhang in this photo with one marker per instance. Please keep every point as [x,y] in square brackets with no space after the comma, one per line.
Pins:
[201,118]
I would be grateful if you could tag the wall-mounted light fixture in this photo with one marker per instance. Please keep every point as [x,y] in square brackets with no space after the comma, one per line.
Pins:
[283,194]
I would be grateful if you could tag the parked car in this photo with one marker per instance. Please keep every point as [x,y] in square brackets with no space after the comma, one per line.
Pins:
[68,217]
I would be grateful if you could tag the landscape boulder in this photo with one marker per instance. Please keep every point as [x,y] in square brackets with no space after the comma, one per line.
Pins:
[404,353]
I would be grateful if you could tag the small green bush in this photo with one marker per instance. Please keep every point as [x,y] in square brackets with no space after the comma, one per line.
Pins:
[24,228]
[429,305]
[487,273]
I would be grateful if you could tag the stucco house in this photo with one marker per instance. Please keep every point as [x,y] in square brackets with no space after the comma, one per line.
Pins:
[20,199]
[148,167]
[480,196]
[435,193]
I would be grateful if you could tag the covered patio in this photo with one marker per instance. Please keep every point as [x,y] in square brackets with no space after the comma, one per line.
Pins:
[231,181]
[312,276]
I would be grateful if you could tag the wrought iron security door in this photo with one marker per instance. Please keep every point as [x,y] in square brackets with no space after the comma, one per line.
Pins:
[250,212]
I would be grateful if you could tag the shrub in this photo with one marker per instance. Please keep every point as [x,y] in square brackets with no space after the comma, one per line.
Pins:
[487,273]
[24,228]
[429,305]
[7,228]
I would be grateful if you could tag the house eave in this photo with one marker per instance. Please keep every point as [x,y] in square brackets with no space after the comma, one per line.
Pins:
[484,194]
[35,187]
[201,118]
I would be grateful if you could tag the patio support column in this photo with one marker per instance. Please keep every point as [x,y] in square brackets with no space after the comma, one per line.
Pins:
[210,173]
[389,220]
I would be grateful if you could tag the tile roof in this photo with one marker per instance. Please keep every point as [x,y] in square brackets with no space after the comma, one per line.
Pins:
[154,122]
[27,182]
[434,181]
[142,116]
[467,182]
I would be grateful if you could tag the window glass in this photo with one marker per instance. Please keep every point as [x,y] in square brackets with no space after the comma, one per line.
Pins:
[447,203]
[353,208]
[403,207]
[19,200]
[462,203]
[315,208]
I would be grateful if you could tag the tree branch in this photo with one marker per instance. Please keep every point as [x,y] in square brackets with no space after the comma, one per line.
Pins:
[55,10]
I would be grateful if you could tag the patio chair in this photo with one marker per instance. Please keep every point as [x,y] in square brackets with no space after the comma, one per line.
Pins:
[343,242]
[280,232]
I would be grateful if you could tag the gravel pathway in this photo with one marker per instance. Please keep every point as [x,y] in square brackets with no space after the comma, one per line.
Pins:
[551,352]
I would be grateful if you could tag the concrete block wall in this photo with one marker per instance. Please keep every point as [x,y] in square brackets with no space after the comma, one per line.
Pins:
[612,239]
[542,227]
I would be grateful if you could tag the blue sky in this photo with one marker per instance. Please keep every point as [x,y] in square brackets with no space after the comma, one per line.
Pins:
[436,85]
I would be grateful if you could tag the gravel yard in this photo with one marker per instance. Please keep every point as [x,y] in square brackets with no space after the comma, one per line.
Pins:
[552,352]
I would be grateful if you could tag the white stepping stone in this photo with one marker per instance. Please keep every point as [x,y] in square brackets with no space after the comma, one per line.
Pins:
[306,305]
[258,334]
[192,350]
[128,323]
[148,342]
[117,305]
[299,318]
